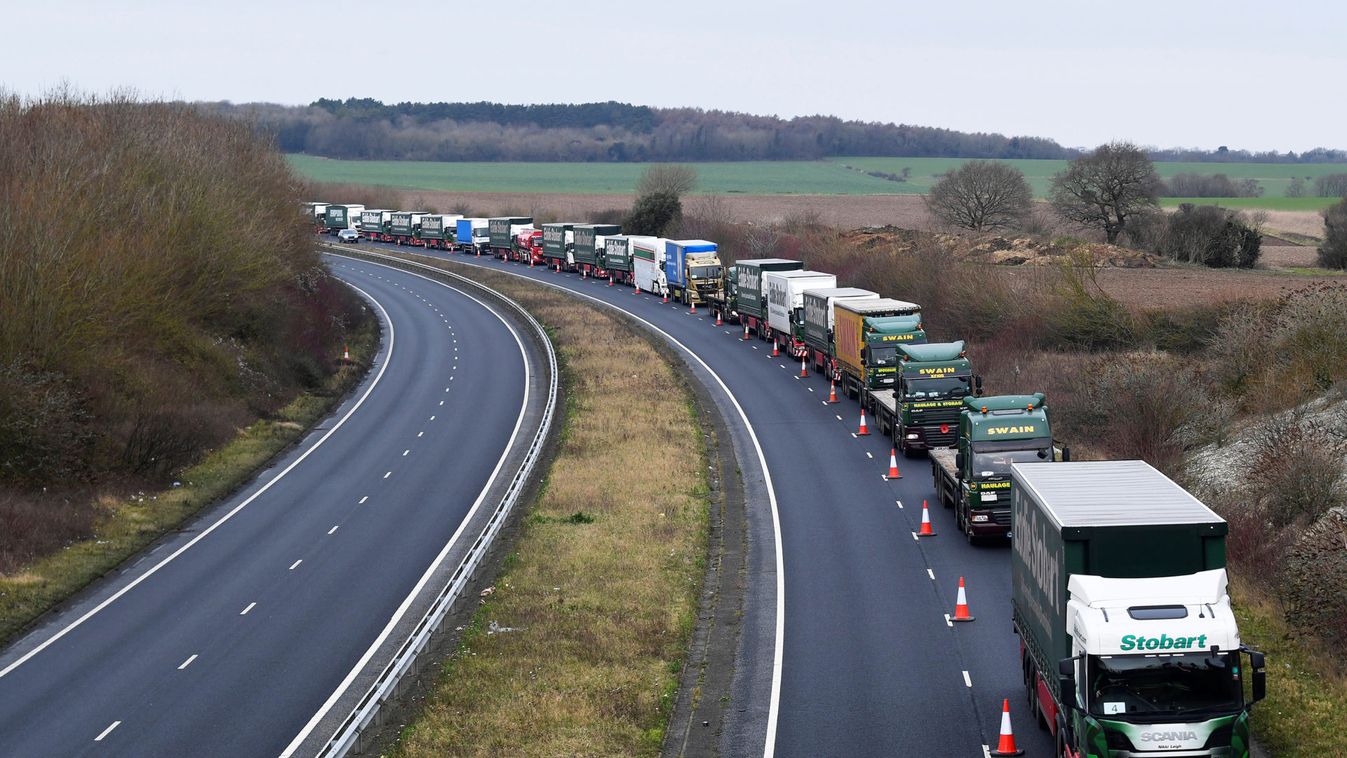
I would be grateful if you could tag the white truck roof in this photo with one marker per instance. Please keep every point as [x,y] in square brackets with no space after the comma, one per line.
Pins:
[1109,493]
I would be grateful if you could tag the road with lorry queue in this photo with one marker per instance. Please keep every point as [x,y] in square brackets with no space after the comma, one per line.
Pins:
[234,635]
[870,663]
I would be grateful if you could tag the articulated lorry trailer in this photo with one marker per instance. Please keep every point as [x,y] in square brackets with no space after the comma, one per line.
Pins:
[317,214]
[745,292]
[374,223]
[1127,640]
[692,272]
[501,232]
[647,263]
[342,217]
[785,305]
[589,240]
[403,226]
[471,235]
[865,340]
[617,259]
[438,230]
[817,331]
[973,478]
[922,409]
[558,240]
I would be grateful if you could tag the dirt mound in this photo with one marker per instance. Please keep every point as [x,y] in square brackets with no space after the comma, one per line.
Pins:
[1002,251]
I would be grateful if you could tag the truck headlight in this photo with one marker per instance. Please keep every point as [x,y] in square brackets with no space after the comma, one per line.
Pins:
[911,436]
[980,518]
[989,497]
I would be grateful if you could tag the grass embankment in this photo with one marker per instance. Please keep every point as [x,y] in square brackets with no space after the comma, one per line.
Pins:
[1303,714]
[124,527]
[838,176]
[600,592]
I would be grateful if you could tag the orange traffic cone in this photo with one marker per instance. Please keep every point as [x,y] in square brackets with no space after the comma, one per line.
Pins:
[665,298]
[1006,745]
[804,369]
[694,307]
[346,352]
[832,390]
[864,431]
[961,605]
[893,464]
[610,281]
[745,330]
[718,321]
[636,289]
[926,530]
[775,349]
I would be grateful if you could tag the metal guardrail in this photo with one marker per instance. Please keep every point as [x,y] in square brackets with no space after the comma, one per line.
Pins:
[386,686]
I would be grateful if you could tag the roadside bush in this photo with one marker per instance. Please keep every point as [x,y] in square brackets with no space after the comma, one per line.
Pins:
[1080,316]
[34,524]
[1314,580]
[1333,252]
[1331,185]
[654,214]
[1215,237]
[1297,471]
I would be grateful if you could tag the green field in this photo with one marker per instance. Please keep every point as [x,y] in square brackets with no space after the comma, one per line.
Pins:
[840,176]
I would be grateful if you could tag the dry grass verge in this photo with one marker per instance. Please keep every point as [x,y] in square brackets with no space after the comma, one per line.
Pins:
[577,649]
[125,527]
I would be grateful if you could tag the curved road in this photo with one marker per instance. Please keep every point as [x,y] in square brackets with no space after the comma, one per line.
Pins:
[228,637]
[870,665]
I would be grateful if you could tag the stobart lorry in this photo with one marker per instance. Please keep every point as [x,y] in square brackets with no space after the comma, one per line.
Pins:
[558,239]
[617,259]
[974,477]
[692,271]
[922,410]
[501,232]
[374,223]
[589,247]
[865,340]
[404,225]
[1127,640]
[745,298]
[342,217]
[785,306]
[438,229]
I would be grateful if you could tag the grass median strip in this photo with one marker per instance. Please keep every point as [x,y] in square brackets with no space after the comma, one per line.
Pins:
[127,526]
[578,647]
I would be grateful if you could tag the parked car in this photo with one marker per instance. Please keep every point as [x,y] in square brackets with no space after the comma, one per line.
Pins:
[348,235]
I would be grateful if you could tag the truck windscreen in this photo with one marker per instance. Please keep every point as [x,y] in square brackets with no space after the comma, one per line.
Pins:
[1152,687]
[883,356]
[988,463]
[942,388]
[704,272]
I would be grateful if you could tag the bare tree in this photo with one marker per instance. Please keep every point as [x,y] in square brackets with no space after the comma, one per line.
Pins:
[1106,188]
[981,195]
[673,178]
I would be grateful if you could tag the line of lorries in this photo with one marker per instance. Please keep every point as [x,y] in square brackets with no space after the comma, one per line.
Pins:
[1128,644]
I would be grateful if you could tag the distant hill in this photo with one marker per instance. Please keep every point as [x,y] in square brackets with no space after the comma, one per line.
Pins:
[367,129]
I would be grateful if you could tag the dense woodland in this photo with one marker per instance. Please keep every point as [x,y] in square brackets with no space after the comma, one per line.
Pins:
[371,130]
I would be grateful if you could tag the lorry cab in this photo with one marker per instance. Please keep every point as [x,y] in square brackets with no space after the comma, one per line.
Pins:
[993,433]
[933,380]
[1155,665]
[884,335]
[692,270]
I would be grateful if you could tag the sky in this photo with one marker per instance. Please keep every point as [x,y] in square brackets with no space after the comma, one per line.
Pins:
[1178,73]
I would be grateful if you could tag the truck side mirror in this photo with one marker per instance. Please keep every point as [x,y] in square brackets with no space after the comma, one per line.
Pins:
[1258,663]
[1066,671]
[977,384]
[1066,455]
[958,460]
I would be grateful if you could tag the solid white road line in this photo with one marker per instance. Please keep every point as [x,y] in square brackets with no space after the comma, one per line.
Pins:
[769,746]
[294,565]
[244,612]
[107,731]
[187,662]
[155,569]
[444,553]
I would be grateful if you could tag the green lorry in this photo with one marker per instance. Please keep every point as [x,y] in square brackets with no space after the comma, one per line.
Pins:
[1128,643]
[866,336]
[589,239]
[501,232]
[929,387]
[558,239]
[744,293]
[973,478]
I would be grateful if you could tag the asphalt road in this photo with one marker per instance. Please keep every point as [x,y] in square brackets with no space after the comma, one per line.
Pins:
[870,666]
[233,645]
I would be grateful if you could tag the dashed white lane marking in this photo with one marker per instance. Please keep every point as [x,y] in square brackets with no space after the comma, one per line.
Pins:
[915,538]
[388,474]
[362,500]
[187,662]
[931,574]
[418,434]
[869,454]
[839,418]
[948,622]
[755,347]
[432,418]
[107,731]
[967,680]
[811,389]
[295,565]
[244,612]
[441,402]
[853,434]
[899,502]
[404,452]
[333,529]
[782,365]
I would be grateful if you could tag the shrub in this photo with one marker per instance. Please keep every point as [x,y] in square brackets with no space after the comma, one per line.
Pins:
[1331,185]
[1079,315]
[654,214]
[1314,580]
[1333,252]
[1212,236]
[1297,471]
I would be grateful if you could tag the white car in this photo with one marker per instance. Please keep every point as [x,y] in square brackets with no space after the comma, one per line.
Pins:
[348,235]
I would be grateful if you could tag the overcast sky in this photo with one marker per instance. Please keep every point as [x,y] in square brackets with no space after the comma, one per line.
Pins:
[1259,76]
